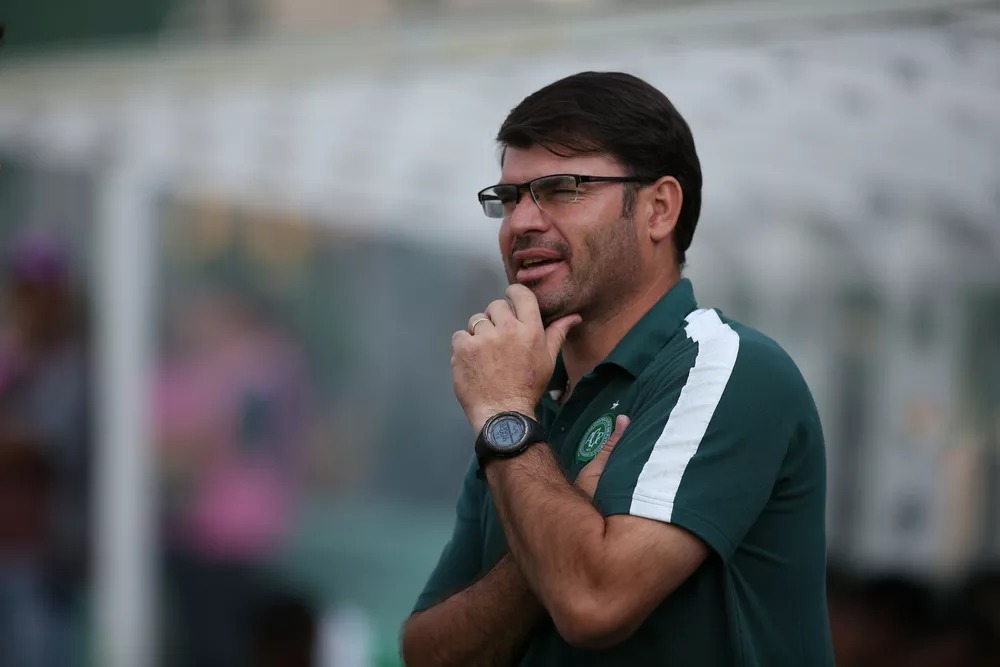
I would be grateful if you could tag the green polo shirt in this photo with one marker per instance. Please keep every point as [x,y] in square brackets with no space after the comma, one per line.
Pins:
[725,441]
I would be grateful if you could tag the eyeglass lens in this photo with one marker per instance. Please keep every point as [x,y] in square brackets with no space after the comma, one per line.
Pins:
[549,193]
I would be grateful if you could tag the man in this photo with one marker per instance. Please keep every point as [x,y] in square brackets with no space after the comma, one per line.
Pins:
[667,508]
[45,383]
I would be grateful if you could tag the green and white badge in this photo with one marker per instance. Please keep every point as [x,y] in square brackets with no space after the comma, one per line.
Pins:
[595,437]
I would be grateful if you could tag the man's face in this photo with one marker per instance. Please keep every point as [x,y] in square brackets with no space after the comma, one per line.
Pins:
[577,257]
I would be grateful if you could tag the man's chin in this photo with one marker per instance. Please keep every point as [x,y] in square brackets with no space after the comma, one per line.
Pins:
[535,286]
[550,312]
[550,304]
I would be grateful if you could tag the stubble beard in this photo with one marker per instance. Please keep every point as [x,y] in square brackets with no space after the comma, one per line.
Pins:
[597,286]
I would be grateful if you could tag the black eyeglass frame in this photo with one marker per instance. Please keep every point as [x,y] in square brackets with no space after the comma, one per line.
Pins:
[578,179]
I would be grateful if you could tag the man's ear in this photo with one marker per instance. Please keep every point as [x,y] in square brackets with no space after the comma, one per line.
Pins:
[666,200]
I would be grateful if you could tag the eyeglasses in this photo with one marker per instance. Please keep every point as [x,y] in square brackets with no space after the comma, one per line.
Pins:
[549,192]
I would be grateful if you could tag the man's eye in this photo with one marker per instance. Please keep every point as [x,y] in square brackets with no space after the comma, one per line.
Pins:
[507,196]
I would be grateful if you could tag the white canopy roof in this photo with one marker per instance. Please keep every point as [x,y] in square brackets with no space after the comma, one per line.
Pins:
[856,145]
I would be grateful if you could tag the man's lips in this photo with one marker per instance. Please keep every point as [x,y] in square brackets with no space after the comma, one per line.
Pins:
[531,257]
[532,272]
[536,262]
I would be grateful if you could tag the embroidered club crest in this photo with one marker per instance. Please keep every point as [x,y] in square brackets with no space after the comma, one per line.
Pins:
[595,437]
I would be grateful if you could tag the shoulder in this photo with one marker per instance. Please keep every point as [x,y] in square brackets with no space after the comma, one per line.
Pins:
[766,377]
[716,351]
[764,363]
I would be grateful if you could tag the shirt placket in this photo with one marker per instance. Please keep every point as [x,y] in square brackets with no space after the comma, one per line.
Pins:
[569,415]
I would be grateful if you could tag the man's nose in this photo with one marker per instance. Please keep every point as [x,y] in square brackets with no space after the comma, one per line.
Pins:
[527,217]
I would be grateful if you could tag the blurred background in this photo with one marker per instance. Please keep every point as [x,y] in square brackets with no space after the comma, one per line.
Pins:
[237,234]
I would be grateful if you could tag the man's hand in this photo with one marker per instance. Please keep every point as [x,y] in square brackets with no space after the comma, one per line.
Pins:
[504,362]
[587,480]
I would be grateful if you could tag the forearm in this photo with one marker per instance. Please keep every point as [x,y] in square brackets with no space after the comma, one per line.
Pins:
[484,625]
[553,530]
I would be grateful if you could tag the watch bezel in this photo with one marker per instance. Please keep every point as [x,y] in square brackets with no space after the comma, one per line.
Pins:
[486,448]
[494,421]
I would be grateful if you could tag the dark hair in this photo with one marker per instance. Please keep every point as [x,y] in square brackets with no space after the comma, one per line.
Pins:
[622,116]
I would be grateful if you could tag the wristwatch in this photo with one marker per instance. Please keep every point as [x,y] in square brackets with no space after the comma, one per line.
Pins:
[505,435]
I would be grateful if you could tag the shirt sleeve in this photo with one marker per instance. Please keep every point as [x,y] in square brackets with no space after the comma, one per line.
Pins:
[461,560]
[704,448]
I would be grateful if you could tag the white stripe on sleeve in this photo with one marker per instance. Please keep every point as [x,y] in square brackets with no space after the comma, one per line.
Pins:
[660,478]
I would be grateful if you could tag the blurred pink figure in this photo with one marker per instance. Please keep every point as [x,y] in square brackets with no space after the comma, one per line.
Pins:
[232,414]
[232,404]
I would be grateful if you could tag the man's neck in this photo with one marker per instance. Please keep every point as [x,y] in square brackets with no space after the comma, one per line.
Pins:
[590,342]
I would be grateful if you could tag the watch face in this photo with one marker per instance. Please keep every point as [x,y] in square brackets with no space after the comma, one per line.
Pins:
[507,432]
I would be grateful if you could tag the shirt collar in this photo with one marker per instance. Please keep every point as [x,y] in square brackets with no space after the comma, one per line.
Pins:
[557,383]
[644,340]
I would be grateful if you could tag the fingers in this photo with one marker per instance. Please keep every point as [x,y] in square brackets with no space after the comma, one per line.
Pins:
[500,312]
[588,478]
[621,423]
[478,321]
[555,333]
[497,314]
[524,303]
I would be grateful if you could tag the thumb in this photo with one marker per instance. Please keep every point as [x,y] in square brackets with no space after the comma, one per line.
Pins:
[555,333]
[621,423]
